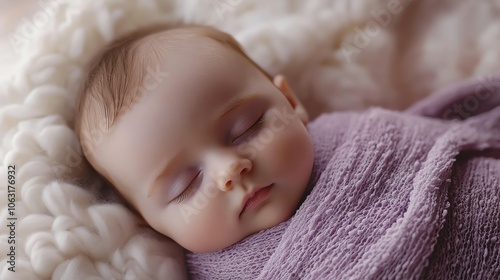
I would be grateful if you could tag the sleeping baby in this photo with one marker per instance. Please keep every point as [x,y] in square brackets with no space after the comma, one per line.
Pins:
[211,151]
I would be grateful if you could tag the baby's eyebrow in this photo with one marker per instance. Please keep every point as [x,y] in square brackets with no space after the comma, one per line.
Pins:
[232,104]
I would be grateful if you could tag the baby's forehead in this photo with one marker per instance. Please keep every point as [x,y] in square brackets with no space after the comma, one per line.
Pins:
[189,58]
[183,42]
[193,56]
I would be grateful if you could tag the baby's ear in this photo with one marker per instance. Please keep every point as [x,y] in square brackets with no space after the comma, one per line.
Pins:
[281,83]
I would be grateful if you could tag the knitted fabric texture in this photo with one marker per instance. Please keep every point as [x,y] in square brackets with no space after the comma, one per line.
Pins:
[395,196]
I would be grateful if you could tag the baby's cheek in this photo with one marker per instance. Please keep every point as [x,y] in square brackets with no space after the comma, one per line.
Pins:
[288,148]
[202,226]
[185,227]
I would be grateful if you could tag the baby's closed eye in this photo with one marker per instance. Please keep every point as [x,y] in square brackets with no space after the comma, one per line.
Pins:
[250,131]
[186,185]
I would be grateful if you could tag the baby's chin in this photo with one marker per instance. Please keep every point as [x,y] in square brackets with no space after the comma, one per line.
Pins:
[266,222]
[272,217]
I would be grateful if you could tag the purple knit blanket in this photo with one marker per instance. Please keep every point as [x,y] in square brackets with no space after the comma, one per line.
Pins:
[393,196]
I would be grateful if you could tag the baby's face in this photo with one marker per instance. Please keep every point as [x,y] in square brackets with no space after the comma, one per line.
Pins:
[214,131]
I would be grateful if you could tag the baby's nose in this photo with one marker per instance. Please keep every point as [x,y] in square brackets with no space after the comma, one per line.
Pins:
[233,174]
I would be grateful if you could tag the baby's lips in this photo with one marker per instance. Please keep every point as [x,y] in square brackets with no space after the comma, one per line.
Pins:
[249,196]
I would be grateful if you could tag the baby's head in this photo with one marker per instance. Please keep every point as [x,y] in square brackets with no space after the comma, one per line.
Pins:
[190,128]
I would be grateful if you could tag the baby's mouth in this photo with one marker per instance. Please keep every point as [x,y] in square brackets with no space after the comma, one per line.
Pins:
[254,199]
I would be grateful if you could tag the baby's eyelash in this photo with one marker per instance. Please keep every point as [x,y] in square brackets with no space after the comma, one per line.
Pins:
[254,128]
[258,125]
[188,191]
